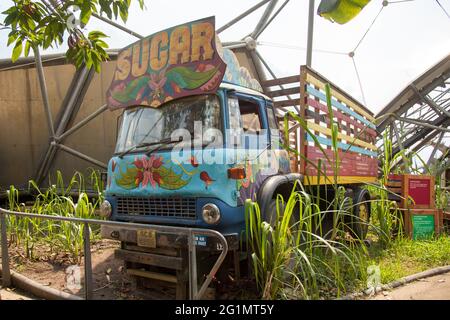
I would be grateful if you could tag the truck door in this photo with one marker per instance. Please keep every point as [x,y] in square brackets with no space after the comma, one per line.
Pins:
[247,121]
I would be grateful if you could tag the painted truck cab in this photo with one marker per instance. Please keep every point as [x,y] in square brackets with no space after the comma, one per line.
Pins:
[228,145]
[197,137]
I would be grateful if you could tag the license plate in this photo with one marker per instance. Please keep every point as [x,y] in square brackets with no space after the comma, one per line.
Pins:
[146,238]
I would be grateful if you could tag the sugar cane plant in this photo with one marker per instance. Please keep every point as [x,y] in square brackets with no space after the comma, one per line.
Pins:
[294,257]
[57,199]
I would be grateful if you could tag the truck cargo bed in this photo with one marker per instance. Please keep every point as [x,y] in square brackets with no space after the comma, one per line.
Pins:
[304,95]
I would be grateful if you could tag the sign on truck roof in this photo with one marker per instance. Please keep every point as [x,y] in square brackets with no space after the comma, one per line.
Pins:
[169,64]
[177,62]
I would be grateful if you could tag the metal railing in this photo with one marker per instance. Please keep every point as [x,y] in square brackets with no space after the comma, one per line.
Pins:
[190,233]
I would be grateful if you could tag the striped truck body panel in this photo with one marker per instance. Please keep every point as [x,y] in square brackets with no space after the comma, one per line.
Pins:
[357,154]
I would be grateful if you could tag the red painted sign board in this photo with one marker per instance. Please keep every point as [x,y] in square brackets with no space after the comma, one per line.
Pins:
[419,190]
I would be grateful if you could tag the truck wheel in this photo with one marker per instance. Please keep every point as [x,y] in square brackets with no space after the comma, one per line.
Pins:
[271,214]
[361,214]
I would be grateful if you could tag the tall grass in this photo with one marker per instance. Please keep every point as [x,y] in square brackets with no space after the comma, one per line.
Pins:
[295,257]
[291,259]
[57,199]
[387,220]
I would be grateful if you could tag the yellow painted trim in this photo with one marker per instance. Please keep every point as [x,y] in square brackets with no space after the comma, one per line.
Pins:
[315,127]
[311,79]
[340,180]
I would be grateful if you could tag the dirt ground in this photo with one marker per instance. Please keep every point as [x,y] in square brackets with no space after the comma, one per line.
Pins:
[15,294]
[433,288]
[110,279]
[112,283]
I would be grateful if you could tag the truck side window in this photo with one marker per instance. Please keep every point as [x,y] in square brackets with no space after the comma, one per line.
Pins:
[235,120]
[271,118]
[251,119]
[245,120]
[275,136]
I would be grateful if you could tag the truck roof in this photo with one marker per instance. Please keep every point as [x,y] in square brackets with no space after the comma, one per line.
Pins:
[226,85]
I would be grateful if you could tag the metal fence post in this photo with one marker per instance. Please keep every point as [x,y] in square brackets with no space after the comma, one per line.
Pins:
[6,273]
[194,267]
[87,262]
[193,285]
[190,251]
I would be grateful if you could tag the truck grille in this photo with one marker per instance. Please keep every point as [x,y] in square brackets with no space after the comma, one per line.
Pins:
[157,207]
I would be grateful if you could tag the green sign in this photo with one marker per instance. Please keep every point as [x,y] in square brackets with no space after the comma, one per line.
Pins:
[423,226]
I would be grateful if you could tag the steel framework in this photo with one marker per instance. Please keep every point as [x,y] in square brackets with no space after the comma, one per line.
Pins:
[419,116]
[416,118]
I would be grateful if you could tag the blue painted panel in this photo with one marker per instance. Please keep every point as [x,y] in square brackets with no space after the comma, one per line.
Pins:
[232,218]
[343,146]
[316,93]
[197,173]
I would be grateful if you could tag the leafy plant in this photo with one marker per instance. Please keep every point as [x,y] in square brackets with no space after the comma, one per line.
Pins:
[304,260]
[293,260]
[44,24]
[55,200]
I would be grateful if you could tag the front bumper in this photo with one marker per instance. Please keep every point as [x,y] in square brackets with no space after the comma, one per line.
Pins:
[169,240]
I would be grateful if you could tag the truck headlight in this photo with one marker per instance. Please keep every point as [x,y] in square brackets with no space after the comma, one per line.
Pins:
[105,209]
[211,213]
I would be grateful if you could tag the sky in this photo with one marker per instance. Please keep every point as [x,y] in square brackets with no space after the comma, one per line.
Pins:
[407,38]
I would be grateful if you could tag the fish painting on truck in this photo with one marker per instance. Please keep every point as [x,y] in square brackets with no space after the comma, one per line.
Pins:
[198,137]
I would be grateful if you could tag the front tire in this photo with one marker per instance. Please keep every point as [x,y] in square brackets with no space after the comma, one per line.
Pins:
[271,216]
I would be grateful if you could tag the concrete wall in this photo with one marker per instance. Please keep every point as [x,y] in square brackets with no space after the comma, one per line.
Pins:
[24,135]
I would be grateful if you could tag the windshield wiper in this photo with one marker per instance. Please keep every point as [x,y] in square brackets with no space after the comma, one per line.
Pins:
[163,143]
[143,145]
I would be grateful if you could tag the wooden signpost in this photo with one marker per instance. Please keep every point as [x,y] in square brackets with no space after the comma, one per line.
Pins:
[416,199]
[423,223]
[418,191]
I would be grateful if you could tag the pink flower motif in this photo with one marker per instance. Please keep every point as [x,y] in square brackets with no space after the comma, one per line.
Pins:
[156,84]
[148,174]
[139,162]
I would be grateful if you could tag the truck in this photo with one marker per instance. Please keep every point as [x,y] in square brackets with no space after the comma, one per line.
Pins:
[199,136]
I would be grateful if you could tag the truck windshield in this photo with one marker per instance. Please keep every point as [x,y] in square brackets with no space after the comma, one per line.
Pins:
[146,125]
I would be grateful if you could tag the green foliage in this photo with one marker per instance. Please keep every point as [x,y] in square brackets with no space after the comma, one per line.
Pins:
[44,24]
[55,200]
[386,218]
[293,259]
[404,257]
